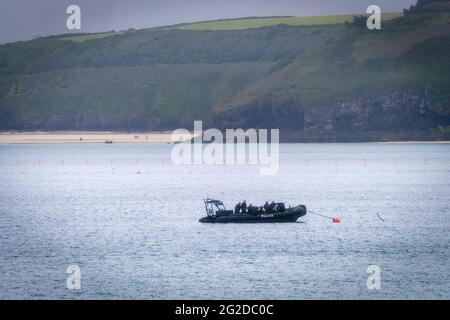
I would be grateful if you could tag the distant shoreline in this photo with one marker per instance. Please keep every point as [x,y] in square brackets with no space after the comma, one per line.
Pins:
[100,137]
[87,137]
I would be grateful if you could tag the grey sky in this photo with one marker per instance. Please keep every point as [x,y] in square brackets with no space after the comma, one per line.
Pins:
[23,19]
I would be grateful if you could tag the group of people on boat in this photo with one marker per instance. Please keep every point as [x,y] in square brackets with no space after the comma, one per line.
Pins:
[242,207]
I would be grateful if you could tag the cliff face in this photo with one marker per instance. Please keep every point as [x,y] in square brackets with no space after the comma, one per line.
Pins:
[265,111]
[399,115]
[315,83]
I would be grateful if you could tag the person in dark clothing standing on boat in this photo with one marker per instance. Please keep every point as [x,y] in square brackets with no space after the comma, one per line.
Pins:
[266,206]
[244,207]
[237,208]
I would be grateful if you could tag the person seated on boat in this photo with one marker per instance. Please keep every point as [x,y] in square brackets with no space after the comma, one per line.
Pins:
[266,206]
[237,208]
[252,209]
[272,207]
[281,207]
[244,207]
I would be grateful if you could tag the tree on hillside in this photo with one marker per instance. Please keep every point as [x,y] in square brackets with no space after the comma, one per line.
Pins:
[419,5]
[358,21]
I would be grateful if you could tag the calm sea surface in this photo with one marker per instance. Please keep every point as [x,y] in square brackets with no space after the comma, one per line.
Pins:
[128,218]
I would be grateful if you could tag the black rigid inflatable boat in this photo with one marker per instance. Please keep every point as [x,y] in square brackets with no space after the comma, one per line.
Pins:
[217,213]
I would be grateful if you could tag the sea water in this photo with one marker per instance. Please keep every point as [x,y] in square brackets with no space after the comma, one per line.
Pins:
[128,218]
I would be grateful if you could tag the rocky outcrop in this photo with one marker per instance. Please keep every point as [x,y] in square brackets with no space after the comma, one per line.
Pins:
[261,111]
[386,111]
[399,115]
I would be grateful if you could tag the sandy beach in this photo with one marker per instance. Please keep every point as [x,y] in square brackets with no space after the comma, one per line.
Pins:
[87,137]
[79,137]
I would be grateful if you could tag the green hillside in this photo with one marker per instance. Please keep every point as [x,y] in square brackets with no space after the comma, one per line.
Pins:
[247,23]
[90,36]
[316,82]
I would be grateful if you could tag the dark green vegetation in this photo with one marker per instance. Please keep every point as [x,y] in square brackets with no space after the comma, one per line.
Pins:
[427,5]
[333,82]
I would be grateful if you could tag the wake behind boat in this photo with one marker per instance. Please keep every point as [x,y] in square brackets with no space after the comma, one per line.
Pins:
[274,212]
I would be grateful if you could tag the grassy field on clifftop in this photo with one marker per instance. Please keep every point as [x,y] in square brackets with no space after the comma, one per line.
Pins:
[247,23]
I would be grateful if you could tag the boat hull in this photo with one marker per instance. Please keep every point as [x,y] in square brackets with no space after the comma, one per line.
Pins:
[290,215]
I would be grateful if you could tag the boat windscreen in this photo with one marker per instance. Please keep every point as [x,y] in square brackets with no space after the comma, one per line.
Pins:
[215,202]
